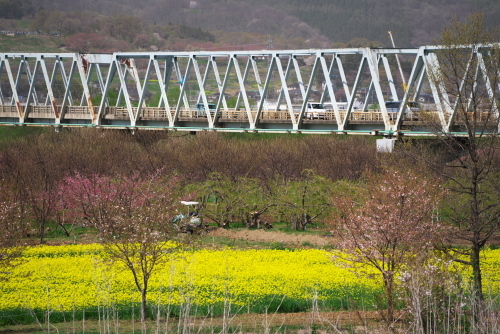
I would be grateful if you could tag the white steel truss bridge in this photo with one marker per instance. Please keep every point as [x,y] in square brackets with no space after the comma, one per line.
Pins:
[346,91]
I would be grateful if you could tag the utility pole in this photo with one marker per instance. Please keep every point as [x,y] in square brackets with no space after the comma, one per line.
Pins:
[399,64]
[270,47]
[270,43]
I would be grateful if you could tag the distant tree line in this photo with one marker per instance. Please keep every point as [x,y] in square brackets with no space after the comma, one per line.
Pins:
[33,167]
[316,22]
[15,9]
[87,31]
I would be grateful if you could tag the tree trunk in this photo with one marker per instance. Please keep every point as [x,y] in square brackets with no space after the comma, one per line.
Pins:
[42,231]
[300,221]
[389,289]
[143,305]
[476,270]
[60,223]
[254,221]
[476,224]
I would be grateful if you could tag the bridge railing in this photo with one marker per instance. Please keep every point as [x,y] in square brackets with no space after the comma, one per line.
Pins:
[8,109]
[80,110]
[156,112]
[45,111]
[83,112]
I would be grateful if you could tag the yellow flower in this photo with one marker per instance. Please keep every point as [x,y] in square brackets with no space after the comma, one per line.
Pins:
[64,278]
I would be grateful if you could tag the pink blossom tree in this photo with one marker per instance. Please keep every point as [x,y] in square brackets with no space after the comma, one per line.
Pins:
[103,202]
[389,220]
[133,216]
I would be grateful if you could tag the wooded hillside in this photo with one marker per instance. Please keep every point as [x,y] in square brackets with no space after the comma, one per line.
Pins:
[413,22]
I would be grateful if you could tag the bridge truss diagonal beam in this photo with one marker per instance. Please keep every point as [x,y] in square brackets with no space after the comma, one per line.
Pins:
[164,90]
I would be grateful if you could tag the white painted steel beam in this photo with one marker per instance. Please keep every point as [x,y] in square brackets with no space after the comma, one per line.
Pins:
[2,101]
[174,76]
[243,93]
[303,108]
[84,79]
[354,90]
[263,89]
[284,87]
[15,97]
[329,88]
[221,87]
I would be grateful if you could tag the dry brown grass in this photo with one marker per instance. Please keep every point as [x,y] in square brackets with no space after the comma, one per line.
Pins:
[250,323]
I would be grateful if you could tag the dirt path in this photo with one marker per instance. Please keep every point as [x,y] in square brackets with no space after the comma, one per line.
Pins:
[273,236]
[303,239]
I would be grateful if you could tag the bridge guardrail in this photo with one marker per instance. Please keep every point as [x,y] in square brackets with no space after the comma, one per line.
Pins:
[8,109]
[44,111]
[155,112]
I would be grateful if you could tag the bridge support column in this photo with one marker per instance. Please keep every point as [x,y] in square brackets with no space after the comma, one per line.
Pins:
[385,145]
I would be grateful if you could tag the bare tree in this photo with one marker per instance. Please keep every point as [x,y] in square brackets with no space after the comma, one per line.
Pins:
[467,71]
[386,221]
[12,229]
[36,176]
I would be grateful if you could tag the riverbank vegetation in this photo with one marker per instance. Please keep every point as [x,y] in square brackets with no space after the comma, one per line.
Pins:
[61,191]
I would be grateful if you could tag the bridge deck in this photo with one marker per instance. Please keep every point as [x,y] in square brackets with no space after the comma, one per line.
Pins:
[227,120]
[272,90]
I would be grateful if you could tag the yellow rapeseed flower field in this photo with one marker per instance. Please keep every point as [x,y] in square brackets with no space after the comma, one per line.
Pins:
[65,278]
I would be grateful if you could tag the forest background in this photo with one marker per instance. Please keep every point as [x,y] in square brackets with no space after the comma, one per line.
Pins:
[183,25]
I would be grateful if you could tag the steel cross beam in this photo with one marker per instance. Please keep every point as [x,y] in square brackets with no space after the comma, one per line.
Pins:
[297,91]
